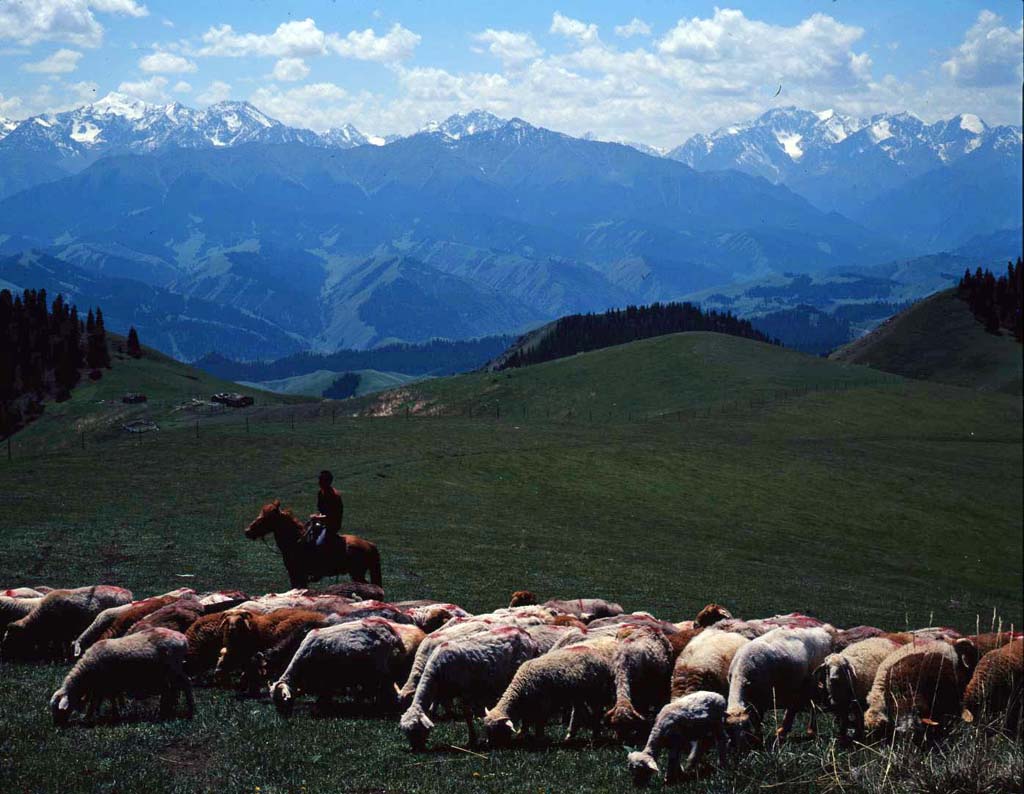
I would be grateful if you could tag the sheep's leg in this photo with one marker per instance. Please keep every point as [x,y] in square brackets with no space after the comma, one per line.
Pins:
[812,723]
[673,766]
[787,723]
[538,730]
[723,749]
[575,718]
[696,751]
[92,709]
[858,721]
[467,716]
[190,701]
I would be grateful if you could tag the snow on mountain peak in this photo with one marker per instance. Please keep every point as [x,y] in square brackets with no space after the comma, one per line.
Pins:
[971,123]
[825,115]
[117,104]
[790,144]
[460,125]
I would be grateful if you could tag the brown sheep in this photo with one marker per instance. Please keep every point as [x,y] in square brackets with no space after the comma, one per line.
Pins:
[997,686]
[204,643]
[129,617]
[917,688]
[711,614]
[703,664]
[261,645]
[177,616]
[522,598]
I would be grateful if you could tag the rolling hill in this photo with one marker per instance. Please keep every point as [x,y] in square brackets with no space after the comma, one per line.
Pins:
[939,339]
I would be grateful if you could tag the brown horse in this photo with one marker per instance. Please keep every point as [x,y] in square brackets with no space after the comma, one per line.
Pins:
[340,555]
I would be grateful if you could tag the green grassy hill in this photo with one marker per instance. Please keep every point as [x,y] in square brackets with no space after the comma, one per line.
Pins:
[740,473]
[939,339]
[96,407]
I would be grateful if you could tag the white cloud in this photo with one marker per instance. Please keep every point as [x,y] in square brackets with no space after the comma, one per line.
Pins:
[511,47]
[70,21]
[573,29]
[289,39]
[84,91]
[150,90]
[166,62]
[635,27]
[395,45]
[317,106]
[215,92]
[990,54]
[11,107]
[61,62]
[182,87]
[290,69]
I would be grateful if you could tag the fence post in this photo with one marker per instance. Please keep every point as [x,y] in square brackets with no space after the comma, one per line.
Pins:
[197,428]
[497,410]
[247,425]
[8,447]
[293,419]
[83,439]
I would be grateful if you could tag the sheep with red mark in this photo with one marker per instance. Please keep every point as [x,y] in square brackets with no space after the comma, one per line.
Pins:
[432,616]
[22,592]
[775,670]
[367,655]
[473,670]
[178,616]
[845,678]
[917,688]
[260,645]
[59,617]
[642,664]
[703,665]
[141,665]
[579,677]
[13,608]
[692,721]
[136,611]
[996,688]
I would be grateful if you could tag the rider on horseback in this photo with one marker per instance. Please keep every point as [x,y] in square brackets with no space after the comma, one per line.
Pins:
[326,521]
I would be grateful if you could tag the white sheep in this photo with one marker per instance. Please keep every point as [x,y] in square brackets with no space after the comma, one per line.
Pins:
[365,653]
[473,669]
[704,663]
[691,721]
[140,665]
[61,616]
[106,618]
[579,677]
[846,679]
[775,671]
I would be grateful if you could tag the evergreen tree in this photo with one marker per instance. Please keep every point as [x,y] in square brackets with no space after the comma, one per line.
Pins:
[134,348]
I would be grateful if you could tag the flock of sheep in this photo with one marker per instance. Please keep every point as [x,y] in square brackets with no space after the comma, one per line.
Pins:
[682,687]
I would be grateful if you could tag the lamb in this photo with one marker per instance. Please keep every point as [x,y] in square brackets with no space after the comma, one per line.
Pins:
[703,665]
[260,645]
[579,676]
[917,688]
[775,670]
[997,686]
[61,616]
[472,669]
[586,609]
[845,679]
[368,653]
[141,665]
[690,720]
[642,664]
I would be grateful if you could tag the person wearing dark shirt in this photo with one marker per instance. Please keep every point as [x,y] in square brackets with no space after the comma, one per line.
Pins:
[329,508]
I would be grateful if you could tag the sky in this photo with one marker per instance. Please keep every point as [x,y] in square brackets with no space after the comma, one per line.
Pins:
[648,71]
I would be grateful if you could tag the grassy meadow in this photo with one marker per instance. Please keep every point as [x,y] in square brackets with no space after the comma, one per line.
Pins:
[662,474]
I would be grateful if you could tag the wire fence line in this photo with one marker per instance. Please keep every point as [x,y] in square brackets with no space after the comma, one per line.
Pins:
[151,422]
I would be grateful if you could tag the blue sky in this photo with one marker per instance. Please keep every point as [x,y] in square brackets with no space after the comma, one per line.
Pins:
[650,71]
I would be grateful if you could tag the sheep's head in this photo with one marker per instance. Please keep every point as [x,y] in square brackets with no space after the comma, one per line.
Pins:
[743,726]
[284,700]
[833,682]
[522,598]
[711,614]
[61,707]
[642,767]
[626,721]
[500,730]
[436,618]
[416,726]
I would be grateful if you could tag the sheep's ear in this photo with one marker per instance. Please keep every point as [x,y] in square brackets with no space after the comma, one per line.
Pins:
[487,712]
[967,716]
[820,674]
[967,652]
[276,504]
[929,722]
[427,722]
[65,704]
[398,689]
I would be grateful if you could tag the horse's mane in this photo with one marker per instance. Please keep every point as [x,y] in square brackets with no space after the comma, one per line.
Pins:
[288,514]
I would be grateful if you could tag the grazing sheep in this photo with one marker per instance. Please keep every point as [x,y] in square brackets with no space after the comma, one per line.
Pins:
[917,687]
[60,617]
[775,670]
[453,630]
[845,679]
[992,641]
[260,645]
[368,654]
[13,608]
[578,677]
[997,687]
[712,614]
[177,616]
[22,592]
[691,720]
[586,609]
[846,637]
[556,635]
[430,617]
[703,665]
[473,670]
[634,619]
[141,665]
[642,664]
[135,612]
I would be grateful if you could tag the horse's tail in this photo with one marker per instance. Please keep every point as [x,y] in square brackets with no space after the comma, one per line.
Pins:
[375,576]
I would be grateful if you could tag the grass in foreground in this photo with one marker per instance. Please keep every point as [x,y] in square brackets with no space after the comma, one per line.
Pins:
[886,504]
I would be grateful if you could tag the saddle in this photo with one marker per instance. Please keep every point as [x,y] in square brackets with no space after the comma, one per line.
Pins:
[318,559]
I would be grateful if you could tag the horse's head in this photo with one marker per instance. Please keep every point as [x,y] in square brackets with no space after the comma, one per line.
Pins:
[266,522]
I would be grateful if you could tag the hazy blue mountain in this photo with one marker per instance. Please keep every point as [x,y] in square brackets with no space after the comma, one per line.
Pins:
[182,326]
[921,183]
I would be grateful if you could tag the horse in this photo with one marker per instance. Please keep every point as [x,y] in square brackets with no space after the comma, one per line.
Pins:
[339,555]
